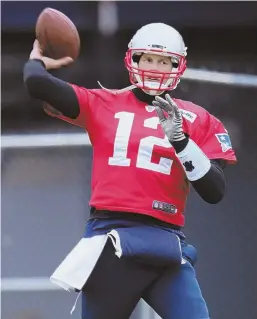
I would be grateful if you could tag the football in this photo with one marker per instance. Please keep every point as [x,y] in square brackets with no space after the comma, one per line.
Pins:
[57,35]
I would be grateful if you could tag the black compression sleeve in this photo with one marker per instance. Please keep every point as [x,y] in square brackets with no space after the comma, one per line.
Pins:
[43,86]
[211,187]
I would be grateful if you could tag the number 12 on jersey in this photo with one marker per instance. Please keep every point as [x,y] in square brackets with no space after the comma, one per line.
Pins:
[146,145]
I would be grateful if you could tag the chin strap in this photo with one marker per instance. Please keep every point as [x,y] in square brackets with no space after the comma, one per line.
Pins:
[128,88]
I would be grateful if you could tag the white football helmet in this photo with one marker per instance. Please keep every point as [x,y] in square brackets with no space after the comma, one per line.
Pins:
[160,39]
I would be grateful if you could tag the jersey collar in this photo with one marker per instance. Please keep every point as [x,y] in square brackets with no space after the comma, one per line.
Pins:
[146,98]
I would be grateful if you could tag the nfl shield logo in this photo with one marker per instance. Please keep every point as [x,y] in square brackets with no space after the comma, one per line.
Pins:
[224,141]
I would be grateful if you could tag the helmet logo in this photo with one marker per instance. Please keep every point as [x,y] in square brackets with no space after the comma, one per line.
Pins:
[157,46]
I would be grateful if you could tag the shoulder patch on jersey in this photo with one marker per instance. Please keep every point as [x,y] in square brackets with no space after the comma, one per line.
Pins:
[190,116]
[224,141]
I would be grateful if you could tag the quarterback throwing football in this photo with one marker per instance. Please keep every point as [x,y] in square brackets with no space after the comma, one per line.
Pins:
[148,148]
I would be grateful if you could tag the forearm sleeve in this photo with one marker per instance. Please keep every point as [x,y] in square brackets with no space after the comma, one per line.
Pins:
[211,187]
[44,86]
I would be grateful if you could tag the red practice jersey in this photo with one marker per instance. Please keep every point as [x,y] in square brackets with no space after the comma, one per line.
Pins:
[135,168]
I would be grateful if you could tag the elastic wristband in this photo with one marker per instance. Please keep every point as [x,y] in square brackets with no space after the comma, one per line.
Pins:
[195,163]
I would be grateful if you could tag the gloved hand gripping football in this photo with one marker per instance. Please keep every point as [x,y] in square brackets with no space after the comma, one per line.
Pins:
[171,125]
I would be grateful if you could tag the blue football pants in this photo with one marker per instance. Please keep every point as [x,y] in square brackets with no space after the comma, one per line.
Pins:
[117,284]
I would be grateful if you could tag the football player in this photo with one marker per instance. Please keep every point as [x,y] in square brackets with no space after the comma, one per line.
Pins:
[148,148]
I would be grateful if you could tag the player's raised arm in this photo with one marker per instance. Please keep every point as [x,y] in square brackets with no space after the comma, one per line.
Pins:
[43,86]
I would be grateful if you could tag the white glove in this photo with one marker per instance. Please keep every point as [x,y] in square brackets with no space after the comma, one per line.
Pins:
[171,125]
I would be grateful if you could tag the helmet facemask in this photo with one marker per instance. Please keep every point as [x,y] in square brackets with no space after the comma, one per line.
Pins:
[165,81]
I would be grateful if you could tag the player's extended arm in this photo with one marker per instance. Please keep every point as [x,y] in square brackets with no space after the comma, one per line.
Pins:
[44,86]
[206,176]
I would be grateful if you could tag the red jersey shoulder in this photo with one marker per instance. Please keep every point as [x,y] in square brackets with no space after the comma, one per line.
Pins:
[103,100]
[207,131]
[108,95]
[193,113]
[199,118]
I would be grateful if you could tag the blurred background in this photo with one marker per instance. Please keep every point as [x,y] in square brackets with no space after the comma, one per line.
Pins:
[46,164]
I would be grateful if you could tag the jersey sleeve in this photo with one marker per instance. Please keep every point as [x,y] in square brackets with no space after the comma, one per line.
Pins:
[84,119]
[213,138]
